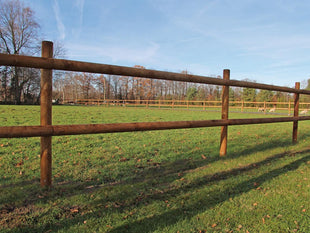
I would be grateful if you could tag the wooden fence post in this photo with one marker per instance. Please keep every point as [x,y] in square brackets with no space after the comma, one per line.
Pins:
[225,107]
[46,117]
[296,109]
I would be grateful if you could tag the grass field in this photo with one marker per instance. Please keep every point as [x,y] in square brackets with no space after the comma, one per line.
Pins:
[157,181]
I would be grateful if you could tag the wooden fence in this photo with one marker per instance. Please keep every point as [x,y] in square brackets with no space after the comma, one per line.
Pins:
[281,108]
[46,130]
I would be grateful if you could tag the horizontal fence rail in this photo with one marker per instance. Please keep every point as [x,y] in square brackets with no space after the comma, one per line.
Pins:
[60,130]
[69,65]
[46,130]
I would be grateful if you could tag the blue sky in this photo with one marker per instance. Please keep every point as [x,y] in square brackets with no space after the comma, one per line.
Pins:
[263,40]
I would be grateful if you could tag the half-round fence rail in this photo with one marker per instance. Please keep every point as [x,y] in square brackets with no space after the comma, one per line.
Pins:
[60,130]
[69,65]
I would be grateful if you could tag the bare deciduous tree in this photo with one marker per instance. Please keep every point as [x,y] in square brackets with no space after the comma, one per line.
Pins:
[18,35]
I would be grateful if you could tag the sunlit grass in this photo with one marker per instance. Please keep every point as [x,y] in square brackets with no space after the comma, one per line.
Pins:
[157,181]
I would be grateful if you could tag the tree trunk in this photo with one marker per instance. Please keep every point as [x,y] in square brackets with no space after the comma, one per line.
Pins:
[15,92]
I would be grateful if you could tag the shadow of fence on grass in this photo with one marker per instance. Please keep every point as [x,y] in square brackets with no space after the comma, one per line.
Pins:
[171,217]
[163,174]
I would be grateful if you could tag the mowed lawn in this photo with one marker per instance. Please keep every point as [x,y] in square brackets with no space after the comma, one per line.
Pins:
[156,181]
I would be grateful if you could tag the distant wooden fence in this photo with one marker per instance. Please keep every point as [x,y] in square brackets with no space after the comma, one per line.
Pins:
[46,130]
[285,108]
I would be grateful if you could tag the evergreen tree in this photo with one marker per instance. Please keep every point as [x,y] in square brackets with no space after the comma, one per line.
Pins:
[191,93]
[249,94]
[265,95]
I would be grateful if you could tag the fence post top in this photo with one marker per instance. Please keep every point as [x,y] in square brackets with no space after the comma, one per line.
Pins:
[47,42]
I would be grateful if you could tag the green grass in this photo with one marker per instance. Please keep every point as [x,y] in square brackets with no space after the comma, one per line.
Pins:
[157,181]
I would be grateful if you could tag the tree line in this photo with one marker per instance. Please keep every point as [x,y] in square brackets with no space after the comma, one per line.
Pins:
[20,34]
[73,86]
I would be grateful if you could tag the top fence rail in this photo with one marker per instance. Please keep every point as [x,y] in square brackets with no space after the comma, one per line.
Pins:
[70,65]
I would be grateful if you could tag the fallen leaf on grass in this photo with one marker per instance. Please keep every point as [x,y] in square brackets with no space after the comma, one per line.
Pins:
[74,209]
[19,164]
[130,214]
[57,175]
[214,225]
[117,205]
[123,159]
[203,157]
